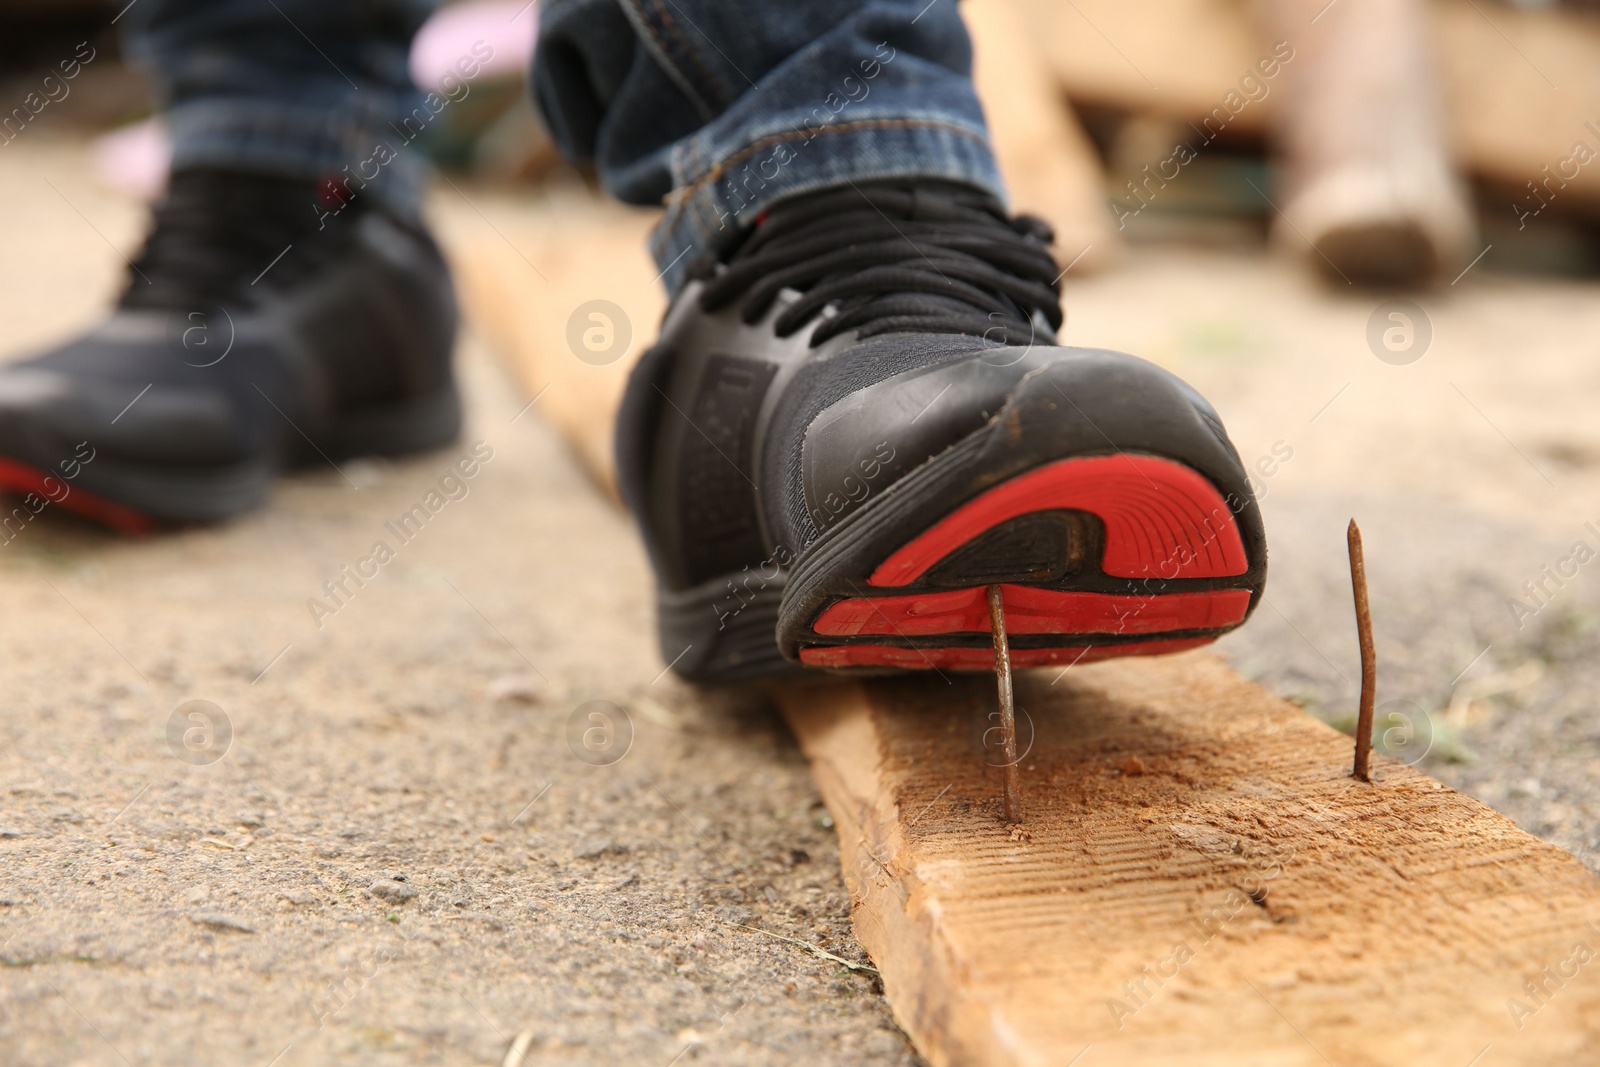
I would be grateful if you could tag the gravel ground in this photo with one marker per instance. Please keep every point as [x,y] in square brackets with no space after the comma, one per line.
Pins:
[400,837]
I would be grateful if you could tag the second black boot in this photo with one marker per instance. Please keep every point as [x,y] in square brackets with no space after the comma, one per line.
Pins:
[263,327]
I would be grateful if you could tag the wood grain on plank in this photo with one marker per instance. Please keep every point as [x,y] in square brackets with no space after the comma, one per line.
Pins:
[1200,882]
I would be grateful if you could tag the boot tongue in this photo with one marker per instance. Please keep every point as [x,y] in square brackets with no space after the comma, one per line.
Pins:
[229,237]
[894,257]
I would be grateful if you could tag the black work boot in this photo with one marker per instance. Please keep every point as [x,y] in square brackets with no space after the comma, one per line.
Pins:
[261,329]
[860,421]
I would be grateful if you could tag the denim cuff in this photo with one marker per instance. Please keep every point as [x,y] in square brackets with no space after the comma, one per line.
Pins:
[720,191]
[303,142]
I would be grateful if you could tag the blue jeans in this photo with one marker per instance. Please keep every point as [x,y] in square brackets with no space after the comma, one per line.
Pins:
[304,88]
[714,109]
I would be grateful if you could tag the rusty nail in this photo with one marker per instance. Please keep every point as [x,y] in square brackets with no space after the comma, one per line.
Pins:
[1008,707]
[1369,656]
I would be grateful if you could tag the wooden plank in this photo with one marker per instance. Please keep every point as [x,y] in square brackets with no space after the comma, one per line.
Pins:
[1199,881]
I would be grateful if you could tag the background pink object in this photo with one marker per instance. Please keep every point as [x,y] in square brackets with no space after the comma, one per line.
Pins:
[508,27]
[135,159]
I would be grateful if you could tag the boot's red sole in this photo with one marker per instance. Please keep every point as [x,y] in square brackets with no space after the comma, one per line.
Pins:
[982,659]
[22,479]
[1034,611]
[1162,521]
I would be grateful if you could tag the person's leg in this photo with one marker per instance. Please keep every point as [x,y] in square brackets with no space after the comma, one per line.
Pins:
[287,308]
[720,109]
[856,422]
[297,88]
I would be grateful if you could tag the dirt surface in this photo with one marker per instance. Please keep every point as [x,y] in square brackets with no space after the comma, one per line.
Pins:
[400,855]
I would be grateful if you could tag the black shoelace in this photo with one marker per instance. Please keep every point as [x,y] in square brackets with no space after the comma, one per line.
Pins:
[217,231]
[895,259]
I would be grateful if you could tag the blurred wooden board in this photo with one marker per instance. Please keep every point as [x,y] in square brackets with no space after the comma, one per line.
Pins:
[1172,58]
[526,276]
[1200,882]
[1523,85]
[1520,83]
